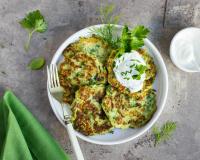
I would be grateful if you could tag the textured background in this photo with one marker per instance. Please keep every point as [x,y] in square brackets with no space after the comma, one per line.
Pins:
[65,17]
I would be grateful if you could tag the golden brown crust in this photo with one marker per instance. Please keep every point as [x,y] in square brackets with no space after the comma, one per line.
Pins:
[82,69]
[69,90]
[88,116]
[125,111]
[92,46]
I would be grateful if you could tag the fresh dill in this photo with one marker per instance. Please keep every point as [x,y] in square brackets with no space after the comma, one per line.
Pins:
[107,15]
[128,40]
[164,133]
[108,32]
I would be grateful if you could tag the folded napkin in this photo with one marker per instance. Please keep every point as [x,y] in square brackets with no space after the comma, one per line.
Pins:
[21,136]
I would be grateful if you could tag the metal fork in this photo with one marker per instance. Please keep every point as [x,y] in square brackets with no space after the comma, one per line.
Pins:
[57,91]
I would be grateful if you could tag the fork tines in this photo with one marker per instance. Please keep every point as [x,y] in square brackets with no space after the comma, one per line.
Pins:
[52,76]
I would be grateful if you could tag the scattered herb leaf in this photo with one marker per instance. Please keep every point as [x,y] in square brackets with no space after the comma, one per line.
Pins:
[140,68]
[2,45]
[33,22]
[137,77]
[3,72]
[36,63]
[164,133]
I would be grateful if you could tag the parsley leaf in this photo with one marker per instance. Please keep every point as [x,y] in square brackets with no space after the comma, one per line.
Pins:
[33,22]
[140,32]
[137,37]
[125,40]
[36,63]
[140,69]
[132,40]
[164,133]
[136,43]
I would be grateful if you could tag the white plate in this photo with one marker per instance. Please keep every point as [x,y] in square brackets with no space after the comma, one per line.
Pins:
[119,136]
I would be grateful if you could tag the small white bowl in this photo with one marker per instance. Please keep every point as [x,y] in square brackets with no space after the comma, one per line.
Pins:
[119,136]
[184,49]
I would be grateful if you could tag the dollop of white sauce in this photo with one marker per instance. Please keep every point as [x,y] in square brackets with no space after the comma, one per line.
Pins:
[124,71]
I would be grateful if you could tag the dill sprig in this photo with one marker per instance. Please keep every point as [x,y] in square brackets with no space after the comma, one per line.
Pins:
[129,39]
[108,32]
[107,15]
[164,133]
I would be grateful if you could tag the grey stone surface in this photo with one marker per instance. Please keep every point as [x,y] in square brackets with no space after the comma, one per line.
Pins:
[65,17]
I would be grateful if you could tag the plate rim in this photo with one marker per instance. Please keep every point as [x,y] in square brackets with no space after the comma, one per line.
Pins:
[157,114]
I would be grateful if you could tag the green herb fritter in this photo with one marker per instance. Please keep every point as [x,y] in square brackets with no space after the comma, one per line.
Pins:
[125,111]
[69,90]
[87,114]
[91,45]
[83,69]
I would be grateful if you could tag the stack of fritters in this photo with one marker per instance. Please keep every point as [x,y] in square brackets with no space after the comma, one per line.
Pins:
[99,102]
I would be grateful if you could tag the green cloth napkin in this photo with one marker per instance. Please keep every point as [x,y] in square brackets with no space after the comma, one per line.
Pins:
[22,137]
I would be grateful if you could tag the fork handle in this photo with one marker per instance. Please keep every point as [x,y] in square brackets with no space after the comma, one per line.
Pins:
[74,142]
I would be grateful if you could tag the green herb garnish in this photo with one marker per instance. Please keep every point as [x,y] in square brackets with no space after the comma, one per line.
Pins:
[164,133]
[107,15]
[36,63]
[132,102]
[140,68]
[125,41]
[132,40]
[135,60]
[108,32]
[127,78]
[129,40]
[33,22]
[137,77]
[137,37]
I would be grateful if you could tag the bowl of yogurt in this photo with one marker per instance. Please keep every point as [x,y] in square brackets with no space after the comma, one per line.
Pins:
[185,48]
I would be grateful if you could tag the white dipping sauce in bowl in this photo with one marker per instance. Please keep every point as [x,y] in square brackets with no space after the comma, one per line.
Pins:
[185,49]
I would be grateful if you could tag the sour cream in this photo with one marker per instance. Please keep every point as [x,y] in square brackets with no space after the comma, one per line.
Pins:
[125,70]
